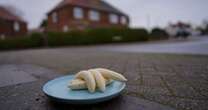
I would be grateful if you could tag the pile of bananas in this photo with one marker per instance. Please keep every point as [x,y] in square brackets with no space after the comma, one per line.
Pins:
[95,78]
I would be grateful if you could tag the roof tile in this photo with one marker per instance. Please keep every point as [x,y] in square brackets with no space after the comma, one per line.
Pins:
[100,5]
[6,14]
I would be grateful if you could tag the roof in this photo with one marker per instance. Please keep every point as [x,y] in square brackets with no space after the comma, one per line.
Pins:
[180,24]
[8,15]
[99,5]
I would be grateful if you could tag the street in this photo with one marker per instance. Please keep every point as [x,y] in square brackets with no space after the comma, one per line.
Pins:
[197,46]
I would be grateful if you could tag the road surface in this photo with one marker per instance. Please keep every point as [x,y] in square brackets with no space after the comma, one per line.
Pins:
[192,46]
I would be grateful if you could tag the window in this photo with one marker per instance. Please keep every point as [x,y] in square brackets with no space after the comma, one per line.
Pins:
[65,28]
[123,20]
[2,36]
[16,27]
[54,17]
[94,15]
[78,13]
[114,18]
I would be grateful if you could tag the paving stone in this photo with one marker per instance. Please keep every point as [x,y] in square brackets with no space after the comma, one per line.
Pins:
[187,104]
[118,64]
[11,75]
[200,86]
[179,103]
[132,71]
[180,88]
[146,92]
[152,81]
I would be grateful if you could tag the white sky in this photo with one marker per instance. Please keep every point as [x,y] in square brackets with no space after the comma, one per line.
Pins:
[159,12]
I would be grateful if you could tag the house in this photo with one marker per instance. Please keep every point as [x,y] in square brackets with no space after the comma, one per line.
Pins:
[84,14]
[10,24]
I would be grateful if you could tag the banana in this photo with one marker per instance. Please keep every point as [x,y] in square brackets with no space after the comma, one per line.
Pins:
[88,78]
[108,81]
[111,74]
[78,84]
[99,79]
[95,78]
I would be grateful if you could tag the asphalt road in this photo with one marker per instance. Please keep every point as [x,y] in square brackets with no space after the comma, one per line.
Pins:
[191,46]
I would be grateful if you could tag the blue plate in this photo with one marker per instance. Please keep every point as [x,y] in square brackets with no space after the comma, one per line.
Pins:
[57,90]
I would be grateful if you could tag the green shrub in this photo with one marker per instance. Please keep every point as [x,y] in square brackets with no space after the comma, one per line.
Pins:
[63,39]
[158,34]
[87,37]
[135,35]
[205,31]
[96,36]
[32,41]
[102,35]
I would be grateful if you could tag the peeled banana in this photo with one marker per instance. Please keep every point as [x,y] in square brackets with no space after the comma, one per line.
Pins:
[95,78]
[111,74]
[79,84]
[99,79]
[89,78]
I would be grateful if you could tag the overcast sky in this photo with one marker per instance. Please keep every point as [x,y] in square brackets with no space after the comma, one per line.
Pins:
[156,12]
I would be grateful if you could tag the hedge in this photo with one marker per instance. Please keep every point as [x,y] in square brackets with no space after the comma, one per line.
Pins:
[32,41]
[87,37]
[158,34]
[96,36]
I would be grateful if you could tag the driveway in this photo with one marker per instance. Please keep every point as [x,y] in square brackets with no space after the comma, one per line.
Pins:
[192,46]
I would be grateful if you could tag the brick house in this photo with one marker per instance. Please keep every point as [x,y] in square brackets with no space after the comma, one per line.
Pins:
[10,24]
[82,14]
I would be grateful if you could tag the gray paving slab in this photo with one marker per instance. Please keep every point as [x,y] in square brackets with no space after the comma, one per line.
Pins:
[11,75]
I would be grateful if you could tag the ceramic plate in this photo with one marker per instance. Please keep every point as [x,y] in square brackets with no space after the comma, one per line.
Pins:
[57,90]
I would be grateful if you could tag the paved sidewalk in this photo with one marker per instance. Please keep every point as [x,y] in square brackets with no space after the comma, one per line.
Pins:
[163,80]
[10,75]
[28,94]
